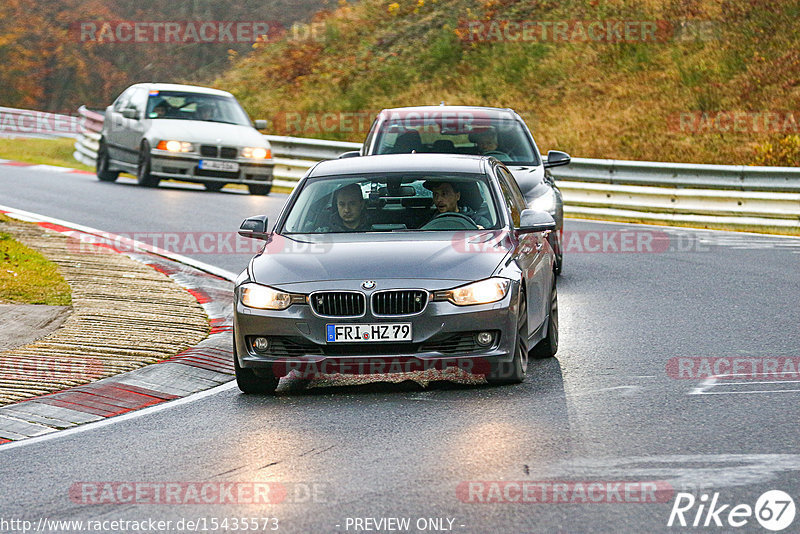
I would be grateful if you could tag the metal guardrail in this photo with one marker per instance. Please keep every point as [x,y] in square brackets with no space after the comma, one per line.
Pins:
[37,124]
[729,196]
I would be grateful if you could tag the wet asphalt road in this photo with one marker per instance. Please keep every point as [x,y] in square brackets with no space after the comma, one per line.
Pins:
[608,408]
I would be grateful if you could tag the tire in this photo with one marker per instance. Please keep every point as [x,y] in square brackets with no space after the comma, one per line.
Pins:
[101,165]
[247,380]
[514,372]
[143,176]
[259,189]
[548,347]
[214,186]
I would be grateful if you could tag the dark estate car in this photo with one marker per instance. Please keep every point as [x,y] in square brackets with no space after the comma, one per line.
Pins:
[183,132]
[475,130]
[398,262]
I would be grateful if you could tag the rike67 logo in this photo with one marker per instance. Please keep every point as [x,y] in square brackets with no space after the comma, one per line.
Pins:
[774,510]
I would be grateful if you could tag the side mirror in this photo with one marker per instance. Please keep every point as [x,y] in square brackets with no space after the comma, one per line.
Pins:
[556,158]
[130,113]
[351,154]
[254,227]
[531,221]
[260,124]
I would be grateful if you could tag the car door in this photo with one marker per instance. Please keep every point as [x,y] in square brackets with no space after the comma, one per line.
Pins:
[530,253]
[114,125]
[135,125]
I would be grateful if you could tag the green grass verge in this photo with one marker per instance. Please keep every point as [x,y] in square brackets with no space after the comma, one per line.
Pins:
[42,152]
[27,277]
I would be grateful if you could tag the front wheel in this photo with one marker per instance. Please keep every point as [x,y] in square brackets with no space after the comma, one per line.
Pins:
[259,189]
[247,380]
[101,165]
[548,347]
[143,175]
[514,372]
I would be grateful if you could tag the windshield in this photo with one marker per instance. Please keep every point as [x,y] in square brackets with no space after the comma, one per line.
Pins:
[505,139]
[393,202]
[195,106]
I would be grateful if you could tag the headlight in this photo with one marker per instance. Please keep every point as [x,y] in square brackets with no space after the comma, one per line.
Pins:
[545,202]
[483,292]
[175,146]
[256,153]
[266,298]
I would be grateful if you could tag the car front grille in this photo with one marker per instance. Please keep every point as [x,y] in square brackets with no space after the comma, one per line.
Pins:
[228,152]
[338,303]
[399,302]
[209,151]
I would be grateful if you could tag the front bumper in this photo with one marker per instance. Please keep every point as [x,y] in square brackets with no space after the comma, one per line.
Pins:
[441,337]
[186,167]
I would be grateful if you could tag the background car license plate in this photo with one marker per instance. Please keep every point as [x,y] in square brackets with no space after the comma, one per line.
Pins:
[337,333]
[211,165]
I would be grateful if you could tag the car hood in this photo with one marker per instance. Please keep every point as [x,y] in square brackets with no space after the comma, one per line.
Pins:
[213,133]
[530,179]
[449,256]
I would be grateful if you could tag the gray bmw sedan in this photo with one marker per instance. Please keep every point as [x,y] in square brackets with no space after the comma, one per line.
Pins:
[397,263]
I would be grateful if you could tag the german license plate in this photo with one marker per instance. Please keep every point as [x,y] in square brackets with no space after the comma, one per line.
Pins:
[211,165]
[353,333]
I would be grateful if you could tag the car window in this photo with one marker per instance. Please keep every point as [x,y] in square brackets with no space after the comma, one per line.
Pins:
[138,100]
[513,198]
[505,139]
[393,202]
[370,135]
[123,99]
[195,106]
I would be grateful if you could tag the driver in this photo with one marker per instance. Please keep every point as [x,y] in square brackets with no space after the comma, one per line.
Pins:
[486,141]
[350,211]
[446,196]
[206,112]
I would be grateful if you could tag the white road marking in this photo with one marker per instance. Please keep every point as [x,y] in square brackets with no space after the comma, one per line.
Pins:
[628,390]
[682,472]
[715,382]
[119,418]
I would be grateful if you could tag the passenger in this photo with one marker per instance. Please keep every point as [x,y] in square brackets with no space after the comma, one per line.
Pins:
[446,196]
[350,213]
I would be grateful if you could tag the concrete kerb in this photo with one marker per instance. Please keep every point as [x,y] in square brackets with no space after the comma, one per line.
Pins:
[206,365]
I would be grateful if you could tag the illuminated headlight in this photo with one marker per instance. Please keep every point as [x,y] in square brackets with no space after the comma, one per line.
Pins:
[483,292]
[266,298]
[175,146]
[256,153]
[545,202]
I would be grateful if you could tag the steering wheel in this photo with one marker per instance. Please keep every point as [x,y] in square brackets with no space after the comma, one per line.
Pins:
[497,154]
[450,220]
